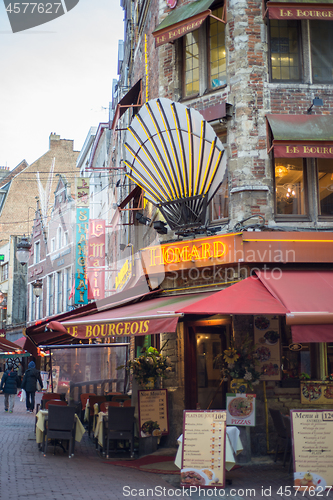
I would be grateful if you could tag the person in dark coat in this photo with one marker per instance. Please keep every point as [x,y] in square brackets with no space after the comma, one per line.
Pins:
[9,383]
[29,384]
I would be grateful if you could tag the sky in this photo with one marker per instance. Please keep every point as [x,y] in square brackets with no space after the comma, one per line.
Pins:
[57,77]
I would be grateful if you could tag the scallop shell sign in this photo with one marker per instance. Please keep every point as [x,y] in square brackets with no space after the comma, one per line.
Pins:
[174,155]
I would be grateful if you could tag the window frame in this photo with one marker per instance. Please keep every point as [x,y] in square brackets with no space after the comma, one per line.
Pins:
[321,218]
[300,55]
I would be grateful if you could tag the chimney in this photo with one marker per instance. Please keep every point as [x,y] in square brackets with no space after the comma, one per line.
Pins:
[53,137]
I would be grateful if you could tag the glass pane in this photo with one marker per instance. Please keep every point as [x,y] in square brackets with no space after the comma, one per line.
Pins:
[289,186]
[88,369]
[217,70]
[325,186]
[208,374]
[284,50]
[191,63]
[220,203]
[321,51]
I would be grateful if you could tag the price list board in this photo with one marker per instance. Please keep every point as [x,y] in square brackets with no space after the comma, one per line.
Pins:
[153,412]
[312,437]
[203,454]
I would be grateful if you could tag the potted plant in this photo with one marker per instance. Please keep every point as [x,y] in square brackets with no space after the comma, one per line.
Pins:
[148,367]
[238,362]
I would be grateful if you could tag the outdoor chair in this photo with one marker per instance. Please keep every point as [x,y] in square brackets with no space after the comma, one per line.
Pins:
[60,426]
[58,402]
[46,397]
[92,401]
[120,426]
[116,404]
[281,433]
[121,397]
[84,398]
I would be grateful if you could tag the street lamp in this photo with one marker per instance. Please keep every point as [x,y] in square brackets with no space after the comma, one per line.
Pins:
[23,250]
[37,288]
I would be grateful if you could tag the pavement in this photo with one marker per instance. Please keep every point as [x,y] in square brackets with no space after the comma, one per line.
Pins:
[25,473]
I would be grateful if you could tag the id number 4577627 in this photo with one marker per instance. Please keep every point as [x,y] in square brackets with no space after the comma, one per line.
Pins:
[318,491]
[33,7]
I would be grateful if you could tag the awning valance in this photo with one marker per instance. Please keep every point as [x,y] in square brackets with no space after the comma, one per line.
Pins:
[301,136]
[144,318]
[316,10]
[182,20]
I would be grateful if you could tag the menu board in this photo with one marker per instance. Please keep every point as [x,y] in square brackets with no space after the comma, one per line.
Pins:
[204,433]
[267,346]
[153,412]
[316,392]
[241,409]
[312,436]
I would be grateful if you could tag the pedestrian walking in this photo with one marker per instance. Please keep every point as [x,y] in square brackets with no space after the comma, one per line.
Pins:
[9,383]
[29,384]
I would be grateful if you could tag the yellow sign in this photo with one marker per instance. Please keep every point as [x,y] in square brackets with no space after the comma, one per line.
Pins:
[124,274]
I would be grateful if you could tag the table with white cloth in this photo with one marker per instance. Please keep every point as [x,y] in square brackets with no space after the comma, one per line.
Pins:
[233,446]
[40,425]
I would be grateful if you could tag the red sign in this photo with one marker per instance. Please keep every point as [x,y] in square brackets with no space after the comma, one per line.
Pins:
[277,11]
[171,3]
[304,150]
[96,259]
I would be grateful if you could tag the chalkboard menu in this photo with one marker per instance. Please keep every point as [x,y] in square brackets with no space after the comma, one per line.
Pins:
[153,412]
[204,433]
[312,436]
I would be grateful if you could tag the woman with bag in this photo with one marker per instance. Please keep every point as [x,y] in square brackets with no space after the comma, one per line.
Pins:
[29,384]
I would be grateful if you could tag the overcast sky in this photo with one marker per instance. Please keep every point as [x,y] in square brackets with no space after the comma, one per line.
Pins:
[57,78]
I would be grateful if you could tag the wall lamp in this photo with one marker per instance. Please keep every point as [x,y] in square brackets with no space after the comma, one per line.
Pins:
[37,288]
[315,102]
[23,251]
[159,227]
[142,219]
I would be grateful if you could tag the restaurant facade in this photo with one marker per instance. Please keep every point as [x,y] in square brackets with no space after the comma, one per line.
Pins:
[221,161]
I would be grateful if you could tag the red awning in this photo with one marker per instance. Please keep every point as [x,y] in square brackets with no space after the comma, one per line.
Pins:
[246,297]
[10,347]
[145,318]
[27,345]
[308,297]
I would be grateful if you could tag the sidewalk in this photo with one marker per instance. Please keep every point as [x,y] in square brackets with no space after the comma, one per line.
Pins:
[25,474]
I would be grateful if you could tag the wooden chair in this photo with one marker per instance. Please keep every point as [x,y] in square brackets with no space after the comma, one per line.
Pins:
[281,433]
[120,426]
[60,426]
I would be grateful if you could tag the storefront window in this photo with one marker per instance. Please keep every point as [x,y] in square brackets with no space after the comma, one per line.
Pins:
[208,373]
[285,50]
[321,52]
[325,186]
[290,181]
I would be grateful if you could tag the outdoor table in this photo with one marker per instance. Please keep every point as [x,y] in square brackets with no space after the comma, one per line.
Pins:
[233,446]
[41,417]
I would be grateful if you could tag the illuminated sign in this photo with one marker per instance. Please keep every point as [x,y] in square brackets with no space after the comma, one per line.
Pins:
[96,259]
[124,274]
[214,250]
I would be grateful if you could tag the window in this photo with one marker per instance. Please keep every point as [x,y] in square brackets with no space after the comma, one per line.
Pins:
[67,287]
[66,238]
[321,34]
[290,181]
[33,304]
[59,292]
[37,253]
[50,293]
[325,187]
[285,51]
[300,51]
[219,208]
[59,237]
[40,307]
[4,272]
[204,57]
[53,245]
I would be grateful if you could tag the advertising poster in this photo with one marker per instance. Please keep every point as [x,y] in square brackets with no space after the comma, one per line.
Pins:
[153,412]
[267,344]
[241,409]
[316,393]
[203,460]
[312,436]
